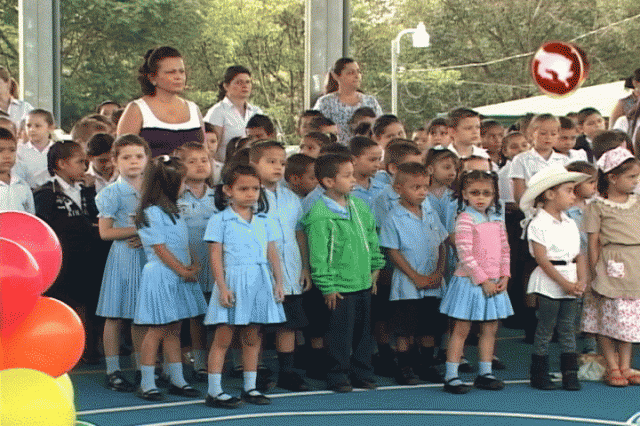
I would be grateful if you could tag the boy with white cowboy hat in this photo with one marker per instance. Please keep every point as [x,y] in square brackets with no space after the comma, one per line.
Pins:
[561,274]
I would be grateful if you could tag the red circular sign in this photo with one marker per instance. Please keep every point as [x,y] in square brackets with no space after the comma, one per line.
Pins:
[558,68]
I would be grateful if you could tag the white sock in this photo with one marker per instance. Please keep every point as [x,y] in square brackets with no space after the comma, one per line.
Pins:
[250,380]
[113,364]
[148,381]
[176,375]
[215,387]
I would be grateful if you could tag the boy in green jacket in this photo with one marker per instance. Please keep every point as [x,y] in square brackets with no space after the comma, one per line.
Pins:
[345,259]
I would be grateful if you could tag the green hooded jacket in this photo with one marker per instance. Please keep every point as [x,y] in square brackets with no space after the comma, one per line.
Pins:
[342,252]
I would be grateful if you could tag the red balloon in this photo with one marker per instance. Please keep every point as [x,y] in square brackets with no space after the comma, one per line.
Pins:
[50,339]
[20,284]
[38,238]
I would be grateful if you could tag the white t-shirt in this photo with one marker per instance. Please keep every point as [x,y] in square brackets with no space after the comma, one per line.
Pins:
[562,241]
[528,163]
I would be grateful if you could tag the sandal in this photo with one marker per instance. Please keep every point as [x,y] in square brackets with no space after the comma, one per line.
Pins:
[615,379]
[632,376]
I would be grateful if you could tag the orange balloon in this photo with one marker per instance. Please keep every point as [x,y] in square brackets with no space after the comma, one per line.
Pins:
[50,339]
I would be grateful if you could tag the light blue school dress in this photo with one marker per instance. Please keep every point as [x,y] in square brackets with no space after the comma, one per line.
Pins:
[418,239]
[123,270]
[196,212]
[369,194]
[246,269]
[164,296]
[285,211]
[465,300]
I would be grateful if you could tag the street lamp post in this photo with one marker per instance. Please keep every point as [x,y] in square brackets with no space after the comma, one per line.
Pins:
[420,39]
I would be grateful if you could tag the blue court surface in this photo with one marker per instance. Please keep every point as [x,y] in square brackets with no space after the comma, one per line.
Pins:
[518,403]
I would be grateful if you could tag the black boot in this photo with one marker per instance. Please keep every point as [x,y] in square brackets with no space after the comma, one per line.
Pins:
[569,368]
[540,378]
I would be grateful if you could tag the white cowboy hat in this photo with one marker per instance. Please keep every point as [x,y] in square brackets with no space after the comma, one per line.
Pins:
[545,179]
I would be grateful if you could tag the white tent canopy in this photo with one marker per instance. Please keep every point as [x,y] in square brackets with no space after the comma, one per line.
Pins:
[602,97]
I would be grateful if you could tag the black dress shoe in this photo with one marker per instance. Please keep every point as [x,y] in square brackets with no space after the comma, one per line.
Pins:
[340,387]
[292,381]
[254,396]
[185,390]
[456,389]
[406,377]
[368,384]
[150,395]
[488,383]
[116,381]
[216,402]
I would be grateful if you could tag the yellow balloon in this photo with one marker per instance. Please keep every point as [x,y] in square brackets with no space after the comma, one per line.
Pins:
[65,384]
[33,398]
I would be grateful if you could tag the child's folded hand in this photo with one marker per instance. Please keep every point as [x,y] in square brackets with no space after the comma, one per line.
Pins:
[489,288]
[134,242]
[278,293]
[502,284]
[428,281]
[331,300]
[227,299]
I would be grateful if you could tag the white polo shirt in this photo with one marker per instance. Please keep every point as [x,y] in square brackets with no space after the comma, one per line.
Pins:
[528,163]
[31,164]
[476,151]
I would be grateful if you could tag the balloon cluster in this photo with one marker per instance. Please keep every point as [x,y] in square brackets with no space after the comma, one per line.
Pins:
[41,338]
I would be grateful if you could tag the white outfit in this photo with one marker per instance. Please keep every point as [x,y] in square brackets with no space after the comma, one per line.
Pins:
[17,110]
[561,238]
[227,116]
[16,195]
[577,155]
[476,151]
[528,163]
[31,164]
[505,184]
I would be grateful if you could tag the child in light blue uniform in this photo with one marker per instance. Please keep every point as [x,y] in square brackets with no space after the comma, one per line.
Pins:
[242,246]
[367,155]
[269,158]
[197,205]
[117,204]
[169,290]
[413,236]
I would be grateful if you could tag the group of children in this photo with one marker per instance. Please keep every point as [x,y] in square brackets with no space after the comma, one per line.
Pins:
[368,245]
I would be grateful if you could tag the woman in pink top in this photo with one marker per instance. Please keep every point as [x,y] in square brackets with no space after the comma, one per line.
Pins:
[477,292]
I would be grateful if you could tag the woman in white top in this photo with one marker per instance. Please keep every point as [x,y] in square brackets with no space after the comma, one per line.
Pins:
[161,116]
[230,115]
[343,97]
[13,108]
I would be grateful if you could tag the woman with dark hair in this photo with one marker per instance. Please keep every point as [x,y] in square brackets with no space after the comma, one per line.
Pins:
[343,97]
[230,115]
[161,116]
[627,104]
[14,109]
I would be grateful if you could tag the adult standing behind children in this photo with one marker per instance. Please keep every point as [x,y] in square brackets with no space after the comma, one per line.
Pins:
[232,112]
[161,116]
[343,97]
[14,108]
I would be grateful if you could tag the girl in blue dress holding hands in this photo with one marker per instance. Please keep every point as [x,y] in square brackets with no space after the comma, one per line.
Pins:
[169,291]
[117,204]
[242,246]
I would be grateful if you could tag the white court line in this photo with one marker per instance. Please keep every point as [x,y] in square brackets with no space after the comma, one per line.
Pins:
[395,412]
[635,419]
[272,396]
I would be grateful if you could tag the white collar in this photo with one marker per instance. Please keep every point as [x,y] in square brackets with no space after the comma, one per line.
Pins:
[67,187]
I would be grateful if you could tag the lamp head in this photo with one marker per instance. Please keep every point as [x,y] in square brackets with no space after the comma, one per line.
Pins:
[420,36]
